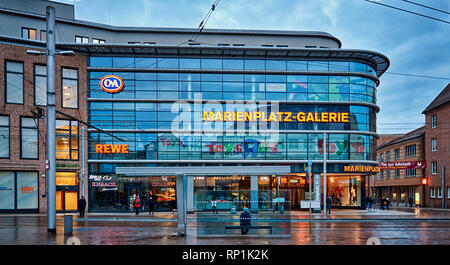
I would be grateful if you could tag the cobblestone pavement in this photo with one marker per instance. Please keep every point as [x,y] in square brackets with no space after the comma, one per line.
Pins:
[341,228]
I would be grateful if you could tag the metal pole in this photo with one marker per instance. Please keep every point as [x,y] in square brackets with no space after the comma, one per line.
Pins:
[51,123]
[443,187]
[310,195]
[83,170]
[181,228]
[325,174]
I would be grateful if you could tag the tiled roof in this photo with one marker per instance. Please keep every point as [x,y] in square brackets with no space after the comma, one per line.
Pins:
[408,136]
[441,99]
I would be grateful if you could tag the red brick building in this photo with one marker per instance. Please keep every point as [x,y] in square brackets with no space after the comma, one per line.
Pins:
[437,149]
[23,127]
[400,183]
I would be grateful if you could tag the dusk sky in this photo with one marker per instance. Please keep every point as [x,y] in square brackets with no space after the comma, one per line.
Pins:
[414,44]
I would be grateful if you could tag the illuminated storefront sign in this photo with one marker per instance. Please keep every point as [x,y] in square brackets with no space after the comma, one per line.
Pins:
[111,148]
[403,165]
[368,169]
[340,117]
[111,83]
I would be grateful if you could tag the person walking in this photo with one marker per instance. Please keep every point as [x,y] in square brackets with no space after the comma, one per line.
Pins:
[382,202]
[387,203]
[329,204]
[214,205]
[151,205]
[82,206]
[137,204]
[246,220]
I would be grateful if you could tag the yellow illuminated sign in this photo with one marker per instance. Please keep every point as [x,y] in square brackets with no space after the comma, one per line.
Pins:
[361,169]
[243,116]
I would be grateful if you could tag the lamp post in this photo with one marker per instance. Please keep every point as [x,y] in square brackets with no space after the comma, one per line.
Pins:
[51,119]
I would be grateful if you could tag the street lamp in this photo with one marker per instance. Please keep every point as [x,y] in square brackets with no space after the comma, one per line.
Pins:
[51,119]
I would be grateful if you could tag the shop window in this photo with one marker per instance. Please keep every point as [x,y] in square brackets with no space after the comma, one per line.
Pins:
[69,88]
[40,85]
[28,33]
[27,190]
[66,179]
[14,82]
[4,136]
[7,190]
[66,139]
[448,192]
[29,138]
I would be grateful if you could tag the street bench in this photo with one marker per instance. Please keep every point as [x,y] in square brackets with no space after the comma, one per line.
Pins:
[248,227]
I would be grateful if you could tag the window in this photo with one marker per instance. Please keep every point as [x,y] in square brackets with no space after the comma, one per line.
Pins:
[439,192]
[133,42]
[397,154]
[43,35]
[448,192]
[40,85]
[267,45]
[154,43]
[410,172]
[410,150]
[397,173]
[434,121]
[14,82]
[81,39]
[69,88]
[28,33]
[434,167]
[98,41]
[4,136]
[382,174]
[66,179]
[432,193]
[381,157]
[29,138]
[66,139]
[434,144]
[388,156]
[388,174]
[238,44]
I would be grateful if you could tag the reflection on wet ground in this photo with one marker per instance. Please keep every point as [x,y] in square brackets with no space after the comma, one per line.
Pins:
[32,230]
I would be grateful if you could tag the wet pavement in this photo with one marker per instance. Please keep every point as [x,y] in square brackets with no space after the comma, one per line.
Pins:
[405,227]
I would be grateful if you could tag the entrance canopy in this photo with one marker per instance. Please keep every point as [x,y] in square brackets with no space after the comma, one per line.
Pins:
[203,170]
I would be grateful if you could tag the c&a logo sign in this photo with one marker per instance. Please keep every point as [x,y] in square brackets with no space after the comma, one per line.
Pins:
[111,83]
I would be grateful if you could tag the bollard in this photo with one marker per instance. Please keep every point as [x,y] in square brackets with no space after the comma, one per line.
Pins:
[68,224]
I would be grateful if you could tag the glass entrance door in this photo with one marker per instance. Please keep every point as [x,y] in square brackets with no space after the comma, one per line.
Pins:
[132,192]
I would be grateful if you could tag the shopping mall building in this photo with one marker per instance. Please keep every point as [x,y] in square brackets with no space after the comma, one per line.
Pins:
[168,97]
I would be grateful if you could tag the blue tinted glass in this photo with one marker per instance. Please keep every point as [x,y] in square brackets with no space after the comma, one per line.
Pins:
[189,77]
[339,79]
[145,85]
[233,96]
[233,64]
[168,94]
[339,88]
[237,87]
[339,97]
[189,63]
[318,66]
[212,95]
[100,106]
[317,88]
[211,77]
[168,63]
[359,89]
[145,76]
[211,86]
[339,66]
[123,62]
[123,106]
[101,62]
[233,77]
[125,75]
[297,65]
[275,96]
[358,67]
[255,78]
[297,87]
[167,76]
[255,64]
[98,75]
[276,78]
[190,86]
[297,97]
[211,63]
[167,85]
[123,94]
[276,65]
[145,62]
[297,78]
[318,79]
[317,96]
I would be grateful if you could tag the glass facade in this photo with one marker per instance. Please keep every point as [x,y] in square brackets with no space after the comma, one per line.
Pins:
[142,117]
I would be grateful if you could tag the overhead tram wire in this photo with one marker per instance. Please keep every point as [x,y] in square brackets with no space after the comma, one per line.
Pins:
[425,6]
[408,11]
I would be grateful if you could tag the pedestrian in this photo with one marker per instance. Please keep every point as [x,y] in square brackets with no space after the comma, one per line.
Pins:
[410,202]
[329,205]
[82,206]
[374,203]
[368,203]
[151,205]
[246,221]
[387,203]
[137,204]
[214,205]
[382,202]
